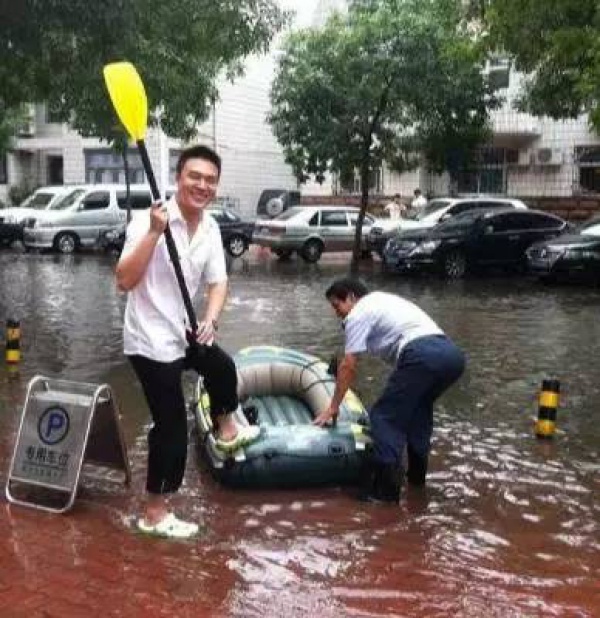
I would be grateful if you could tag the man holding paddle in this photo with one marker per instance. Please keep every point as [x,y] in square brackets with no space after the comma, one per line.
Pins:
[158,336]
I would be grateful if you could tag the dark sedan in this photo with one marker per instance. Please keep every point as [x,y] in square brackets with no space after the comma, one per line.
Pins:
[475,239]
[9,232]
[236,233]
[570,256]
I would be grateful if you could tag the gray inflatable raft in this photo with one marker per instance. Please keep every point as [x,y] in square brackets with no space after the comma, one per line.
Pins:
[283,389]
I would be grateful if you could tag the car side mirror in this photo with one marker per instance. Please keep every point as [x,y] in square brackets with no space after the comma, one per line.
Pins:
[488,229]
[445,217]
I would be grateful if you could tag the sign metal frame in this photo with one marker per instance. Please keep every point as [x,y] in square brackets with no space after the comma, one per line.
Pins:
[88,416]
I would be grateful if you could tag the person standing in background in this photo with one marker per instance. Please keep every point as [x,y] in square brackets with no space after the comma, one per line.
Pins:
[395,208]
[419,202]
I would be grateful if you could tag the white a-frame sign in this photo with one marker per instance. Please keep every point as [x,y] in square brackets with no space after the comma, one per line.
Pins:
[64,425]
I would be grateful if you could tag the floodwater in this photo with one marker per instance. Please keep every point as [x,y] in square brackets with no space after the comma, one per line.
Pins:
[508,526]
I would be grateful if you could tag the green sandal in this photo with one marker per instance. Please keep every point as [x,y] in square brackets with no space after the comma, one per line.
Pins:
[245,435]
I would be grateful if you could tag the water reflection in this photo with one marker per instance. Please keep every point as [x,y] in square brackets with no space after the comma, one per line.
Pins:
[508,526]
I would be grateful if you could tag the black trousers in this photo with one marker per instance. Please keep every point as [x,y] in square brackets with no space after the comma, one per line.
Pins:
[161,383]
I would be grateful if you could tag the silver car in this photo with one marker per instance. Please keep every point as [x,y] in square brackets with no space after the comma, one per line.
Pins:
[311,230]
[81,217]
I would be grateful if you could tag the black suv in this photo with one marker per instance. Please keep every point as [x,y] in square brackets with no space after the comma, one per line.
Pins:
[574,255]
[235,233]
[473,239]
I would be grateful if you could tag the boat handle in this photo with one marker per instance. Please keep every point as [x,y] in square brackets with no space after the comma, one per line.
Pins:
[336,449]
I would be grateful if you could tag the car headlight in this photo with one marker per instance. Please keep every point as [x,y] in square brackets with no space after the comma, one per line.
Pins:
[427,247]
[582,254]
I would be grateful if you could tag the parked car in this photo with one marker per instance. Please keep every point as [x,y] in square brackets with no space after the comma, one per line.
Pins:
[311,230]
[573,255]
[235,233]
[436,211]
[80,217]
[42,199]
[477,238]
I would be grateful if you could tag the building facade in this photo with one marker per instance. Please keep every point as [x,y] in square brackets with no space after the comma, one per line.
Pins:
[526,157]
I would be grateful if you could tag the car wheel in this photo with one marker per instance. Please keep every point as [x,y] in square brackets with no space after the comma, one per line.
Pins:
[66,242]
[283,254]
[236,245]
[455,265]
[311,251]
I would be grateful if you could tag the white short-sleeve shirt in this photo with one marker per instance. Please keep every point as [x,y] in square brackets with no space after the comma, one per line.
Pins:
[382,324]
[155,318]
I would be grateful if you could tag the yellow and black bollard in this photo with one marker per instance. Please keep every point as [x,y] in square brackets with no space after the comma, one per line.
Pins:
[548,404]
[13,342]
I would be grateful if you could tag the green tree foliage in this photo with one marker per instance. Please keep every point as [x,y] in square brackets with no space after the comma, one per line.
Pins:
[557,43]
[54,51]
[390,79]
[10,121]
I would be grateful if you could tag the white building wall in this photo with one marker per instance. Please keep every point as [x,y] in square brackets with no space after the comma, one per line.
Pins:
[252,159]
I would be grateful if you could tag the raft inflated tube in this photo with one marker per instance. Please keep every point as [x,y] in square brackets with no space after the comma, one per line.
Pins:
[545,426]
[285,389]
[13,341]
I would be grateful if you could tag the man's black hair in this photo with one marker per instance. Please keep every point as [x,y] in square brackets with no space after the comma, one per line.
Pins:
[342,288]
[198,152]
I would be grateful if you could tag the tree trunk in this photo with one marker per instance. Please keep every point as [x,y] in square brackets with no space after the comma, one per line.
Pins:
[364,202]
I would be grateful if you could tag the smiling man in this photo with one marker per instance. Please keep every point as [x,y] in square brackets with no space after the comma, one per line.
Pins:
[155,330]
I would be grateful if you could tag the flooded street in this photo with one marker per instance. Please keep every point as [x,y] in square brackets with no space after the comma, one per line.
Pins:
[508,526]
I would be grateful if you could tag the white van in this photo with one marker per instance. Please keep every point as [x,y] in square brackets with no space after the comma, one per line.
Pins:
[81,216]
[41,199]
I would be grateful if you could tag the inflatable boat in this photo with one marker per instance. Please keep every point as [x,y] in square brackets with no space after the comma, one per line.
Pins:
[281,390]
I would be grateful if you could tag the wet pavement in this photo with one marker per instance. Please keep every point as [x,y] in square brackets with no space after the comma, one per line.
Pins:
[508,526]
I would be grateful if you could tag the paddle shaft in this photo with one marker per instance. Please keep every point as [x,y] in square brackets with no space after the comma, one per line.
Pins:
[171,247]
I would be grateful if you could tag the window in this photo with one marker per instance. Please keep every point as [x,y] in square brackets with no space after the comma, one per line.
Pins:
[512,222]
[3,170]
[314,220]
[498,70]
[138,201]
[543,222]
[173,158]
[106,166]
[334,218]
[96,201]
[368,220]
[464,206]
[588,161]
[220,216]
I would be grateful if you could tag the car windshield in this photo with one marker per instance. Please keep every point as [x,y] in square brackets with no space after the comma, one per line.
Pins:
[591,228]
[68,200]
[433,206]
[288,214]
[38,200]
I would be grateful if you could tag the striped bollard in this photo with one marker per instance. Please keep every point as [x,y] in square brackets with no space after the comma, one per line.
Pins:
[545,425]
[13,342]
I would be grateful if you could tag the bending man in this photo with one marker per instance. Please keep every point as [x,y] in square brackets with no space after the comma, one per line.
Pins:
[425,363]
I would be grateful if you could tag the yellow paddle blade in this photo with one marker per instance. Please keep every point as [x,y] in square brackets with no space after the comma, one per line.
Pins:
[128,97]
